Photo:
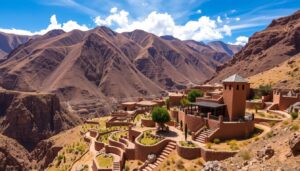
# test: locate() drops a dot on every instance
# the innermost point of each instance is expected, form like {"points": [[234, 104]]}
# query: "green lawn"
{"points": [[148, 139], [116, 136]]}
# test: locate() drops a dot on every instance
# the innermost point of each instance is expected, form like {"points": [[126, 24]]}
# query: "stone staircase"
{"points": [[205, 133], [164, 154], [116, 166]]}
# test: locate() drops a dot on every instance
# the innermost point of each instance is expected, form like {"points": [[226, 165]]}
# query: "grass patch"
{"points": [[105, 160], [189, 144], [116, 136], [245, 155], [148, 139]]}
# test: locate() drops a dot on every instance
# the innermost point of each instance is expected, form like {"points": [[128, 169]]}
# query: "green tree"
{"points": [[184, 102], [264, 90], [160, 115], [193, 94]]}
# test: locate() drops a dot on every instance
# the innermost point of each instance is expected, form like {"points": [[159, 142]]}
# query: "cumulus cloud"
{"points": [[67, 26], [241, 40], [204, 28], [199, 11]]}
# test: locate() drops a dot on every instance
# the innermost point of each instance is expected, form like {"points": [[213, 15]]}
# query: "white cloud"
{"points": [[199, 11], [67, 26], [160, 24], [241, 40], [219, 20], [237, 18], [114, 10]]}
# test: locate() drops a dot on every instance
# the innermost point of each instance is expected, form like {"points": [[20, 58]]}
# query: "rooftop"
{"points": [[235, 78], [207, 104]]}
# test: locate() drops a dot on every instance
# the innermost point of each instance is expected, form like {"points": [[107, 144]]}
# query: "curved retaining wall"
{"points": [[210, 155], [259, 120], [142, 151], [99, 145], [116, 151], [147, 122], [188, 153], [194, 123]]}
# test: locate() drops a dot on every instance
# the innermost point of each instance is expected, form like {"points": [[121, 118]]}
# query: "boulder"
{"points": [[265, 154], [213, 166], [294, 144]]}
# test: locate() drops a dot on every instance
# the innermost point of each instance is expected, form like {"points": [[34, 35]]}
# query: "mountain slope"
{"points": [[266, 49], [220, 46], [103, 65], [8, 42]]}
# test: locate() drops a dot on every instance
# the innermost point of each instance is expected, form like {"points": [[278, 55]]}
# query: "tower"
{"points": [[234, 95]]}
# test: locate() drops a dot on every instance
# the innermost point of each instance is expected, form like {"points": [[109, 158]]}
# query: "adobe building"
{"points": [[222, 118], [282, 100]]}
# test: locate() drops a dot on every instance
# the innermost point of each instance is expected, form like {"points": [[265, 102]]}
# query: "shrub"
{"points": [[184, 102], [179, 164], [127, 168], [193, 94], [245, 155], [294, 115], [216, 141], [209, 145], [264, 90], [270, 134], [294, 127]]}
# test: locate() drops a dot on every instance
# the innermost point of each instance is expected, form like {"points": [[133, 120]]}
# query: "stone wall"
{"points": [[253, 104], [147, 122], [211, 155]]}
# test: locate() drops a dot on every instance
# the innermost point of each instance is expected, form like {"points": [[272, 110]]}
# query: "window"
{"points": [[229, 87], [225, 87], [243, 87], [237, 87]]}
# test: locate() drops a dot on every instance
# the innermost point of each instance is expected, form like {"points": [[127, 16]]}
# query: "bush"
{"points": [[294, 115], [294, 127], [216, 141], [209, 145], [245, 155], [179, 164], [264, 90], [184, 102], [193, 94]]}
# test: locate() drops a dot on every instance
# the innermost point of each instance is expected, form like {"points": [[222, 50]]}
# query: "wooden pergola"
{"points": [[198, 108]]}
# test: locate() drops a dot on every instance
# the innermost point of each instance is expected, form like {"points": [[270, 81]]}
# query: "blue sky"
{"points": [[201, 20]]}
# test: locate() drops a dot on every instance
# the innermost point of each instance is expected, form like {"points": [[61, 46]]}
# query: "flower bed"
{"points": [[188, 150]]}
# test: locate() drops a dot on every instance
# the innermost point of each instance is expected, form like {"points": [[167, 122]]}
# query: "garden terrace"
{"points": [[148, 139], [105, 160]]}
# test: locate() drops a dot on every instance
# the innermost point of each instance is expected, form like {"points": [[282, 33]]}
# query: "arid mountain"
{"points": [[267, 49], [8, 42], [229, 49], [104, 65]]}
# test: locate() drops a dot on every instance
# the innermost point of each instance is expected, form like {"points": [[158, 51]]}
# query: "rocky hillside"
{"points": [[266, 49], [279, 150], [31, 117], [8, 42], [229, 49], [106, 66]]}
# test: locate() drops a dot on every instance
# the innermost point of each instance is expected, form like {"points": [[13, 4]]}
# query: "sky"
{"points": [[231, 21]]}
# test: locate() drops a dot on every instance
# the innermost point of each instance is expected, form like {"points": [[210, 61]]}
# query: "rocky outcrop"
{"points": [[294, 143], [213, 166], [13, 156], [265, 153], [31, 117]]}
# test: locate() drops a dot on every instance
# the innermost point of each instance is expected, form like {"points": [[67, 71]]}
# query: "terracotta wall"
{"points": [[233, 130], [283, 101], [98, 145], [147, 122], [252, 105], [210, 155], [133, 134], [188, 153], [142, 151], [116, 151], [194, 123]]}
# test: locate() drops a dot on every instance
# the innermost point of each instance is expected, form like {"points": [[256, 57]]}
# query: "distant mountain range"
{"points": [[270, 57], [101, 63]]}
